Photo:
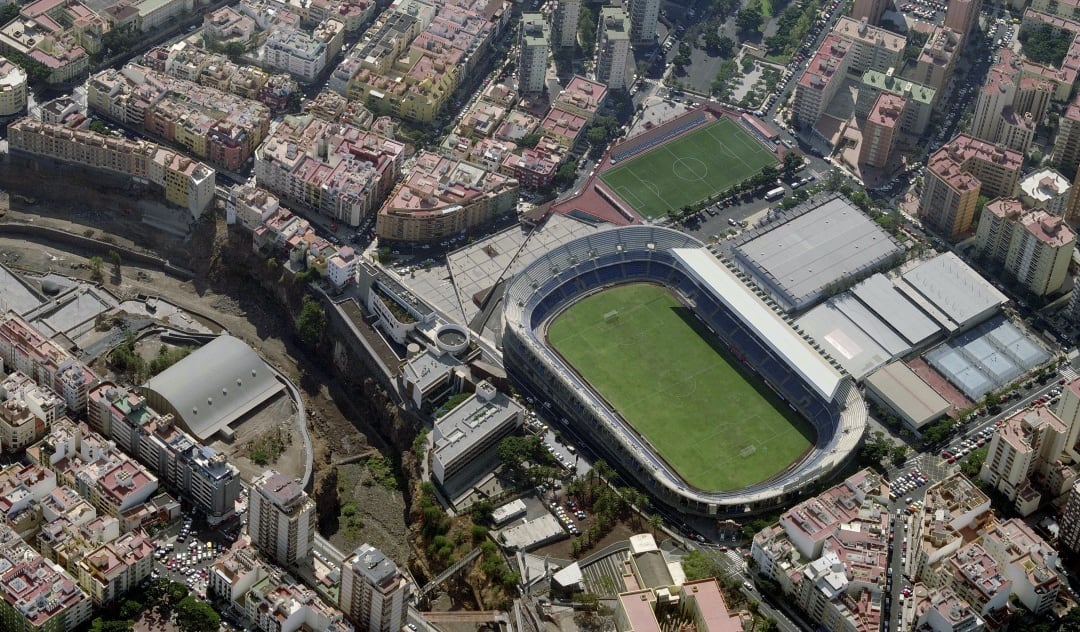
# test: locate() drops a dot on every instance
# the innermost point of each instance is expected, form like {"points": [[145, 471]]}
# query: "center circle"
{"points": [[684, 168]]}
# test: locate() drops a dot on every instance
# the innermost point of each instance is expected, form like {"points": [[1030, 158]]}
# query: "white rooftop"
{"points": [[769, 326]]}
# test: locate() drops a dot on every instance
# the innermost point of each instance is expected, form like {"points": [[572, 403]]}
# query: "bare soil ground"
{"points": [[216, 291]]}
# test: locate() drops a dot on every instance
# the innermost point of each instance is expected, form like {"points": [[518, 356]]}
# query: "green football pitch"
{"points": [[688, 169], [671, 379]]}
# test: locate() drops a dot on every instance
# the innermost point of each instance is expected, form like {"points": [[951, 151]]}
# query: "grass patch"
{"points": [[266, 448], [689, 169], [382, 470], [719, 427]]}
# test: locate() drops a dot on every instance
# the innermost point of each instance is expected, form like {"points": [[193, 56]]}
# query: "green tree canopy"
{"points": [[698, 565], [312, 322], [193, 615], [749, 20]]}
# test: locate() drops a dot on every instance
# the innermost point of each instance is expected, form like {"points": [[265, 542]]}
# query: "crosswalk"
{"points": [[1068, 372]]}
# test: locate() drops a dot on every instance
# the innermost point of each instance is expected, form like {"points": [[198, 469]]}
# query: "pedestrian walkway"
{"points": [[1069, 373]]}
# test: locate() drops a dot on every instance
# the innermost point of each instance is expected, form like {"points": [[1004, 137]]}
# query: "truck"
{"points": [[775, 194]]}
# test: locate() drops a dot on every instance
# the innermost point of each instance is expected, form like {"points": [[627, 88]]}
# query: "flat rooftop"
{"points": [[904, 389], [954, 288], [826, 241], [471, 422]]}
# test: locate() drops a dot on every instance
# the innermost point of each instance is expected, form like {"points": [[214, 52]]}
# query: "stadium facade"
{"points": [[791, 365]]}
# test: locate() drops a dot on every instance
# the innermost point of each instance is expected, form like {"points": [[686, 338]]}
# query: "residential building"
{"points": [[116, 568], [532, 53], [472, 428], [829, 554], [1046, 189], [373, 591], [564, 23], [581, 97], [563, 127], [872, 48], [996, 119], [12, 88], [199, 474], [942, 610], [823, 76], [441, 198], [232, 575], [341, 267], [22, 490], [227, 24], [535, 167], [37, 593], [1027, 561], [214, 125], [278, 603], [962, 15], [1024, 448], [1069, 531], [302, 54], [938, 58], [881, 130], [995, 231], [185, 182], [281, 519], [41, 401], [951, 507], [1062, 20], [919, 99], [1066, 154], [613, 48], [331, 168], [250, 206], [1068, 409], [975, 576], [1040, 252], [19, 426], [59, 35], [643, 17], [869, 10], [957, 174]]}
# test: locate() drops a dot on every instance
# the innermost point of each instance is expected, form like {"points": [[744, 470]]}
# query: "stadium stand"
{"points": [[647, 140], [639, 252]]}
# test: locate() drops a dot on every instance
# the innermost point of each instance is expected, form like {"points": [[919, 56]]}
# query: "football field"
{"points": [[668, 376], [688, 169]]}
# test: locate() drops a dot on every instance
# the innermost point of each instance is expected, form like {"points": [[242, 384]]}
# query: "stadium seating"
{"points": [[642, 252], [647, 140]]}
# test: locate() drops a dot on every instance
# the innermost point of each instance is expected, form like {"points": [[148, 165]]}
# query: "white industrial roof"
{"points": [[954, 288], [882, 297], [908, 392], [761, 319], [857, 351]]}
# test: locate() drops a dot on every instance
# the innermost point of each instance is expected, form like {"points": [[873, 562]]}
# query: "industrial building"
{"points": [[899, 390]]}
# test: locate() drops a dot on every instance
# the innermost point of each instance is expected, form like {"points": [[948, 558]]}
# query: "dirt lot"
{"points": [[241, 307]]}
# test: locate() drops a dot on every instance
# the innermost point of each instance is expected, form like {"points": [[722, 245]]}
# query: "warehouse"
{"points": [[899, 390]]}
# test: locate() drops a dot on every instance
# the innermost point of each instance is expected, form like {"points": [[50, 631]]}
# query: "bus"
{"points": [[775, 194]]}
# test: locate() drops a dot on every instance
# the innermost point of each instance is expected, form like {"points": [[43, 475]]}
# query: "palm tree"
{"points": [[656, 522]]}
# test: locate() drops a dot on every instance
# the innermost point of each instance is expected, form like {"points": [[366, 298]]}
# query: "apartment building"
{"points": [[995, 230], [564, 23], [974, 576], [442, 197], [823, 76], [1027, 561], [1069, 532], [185, 182], [829, 554], [41, 401], [533, 44], [957, 174], [581, 97], [881, 130], [996, 119], [116, 568], [301, 54], [919, 99], [12, 88], [60, 35], [1062, 19], [341, 266], [536, 167], [872, 48], [950, 508], [22, 490], [281, 519], [938, 58], [330, 168], [373, 591], [1047, 189], [214, 125], [643, 17], [278, 603], [1040, 251], [943, 611], [962, 15], [1027, 445], [1066, 156], [472, 428], [250, 206], [19, 426], [37, 593], [613, 48], [198, 474], [869, 10]]}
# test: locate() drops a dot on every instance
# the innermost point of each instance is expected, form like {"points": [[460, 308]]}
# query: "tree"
{"points": [[698, 565], [587, 30], [312, 322], [95, 267], [974, 462], [114, 259], [566, 174], [193, 615], [749, 20], [102, 625], [792, 162], [99, 126], [234, 50], [529, 140]]}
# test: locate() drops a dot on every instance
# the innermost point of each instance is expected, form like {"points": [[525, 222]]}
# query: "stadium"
{"points": [[725, 309]]}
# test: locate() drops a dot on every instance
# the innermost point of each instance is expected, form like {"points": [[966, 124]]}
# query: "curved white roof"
{"points": [[215, 385]]}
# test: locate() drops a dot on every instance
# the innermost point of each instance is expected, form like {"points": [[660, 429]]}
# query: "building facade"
{"points": [[533, 45], [613, 48], [281, 519], [373, 591]]}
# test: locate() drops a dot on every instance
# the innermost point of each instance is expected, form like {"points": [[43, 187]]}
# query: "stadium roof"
{"points": [[881, 297], [951, 286], [801, 256], [769, 326], [215, 385], [842, 339], [907, 394]]}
